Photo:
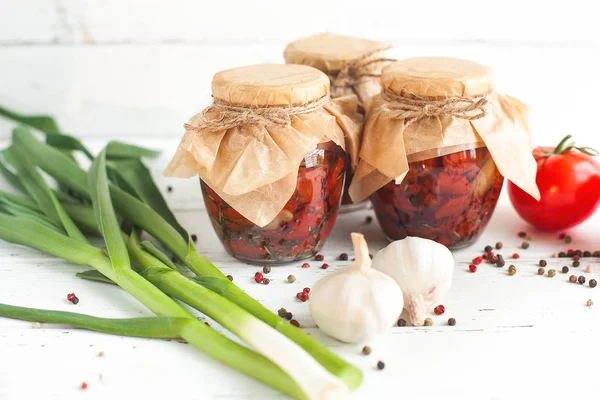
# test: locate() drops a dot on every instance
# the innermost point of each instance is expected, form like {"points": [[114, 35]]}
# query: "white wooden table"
{"points": [[517, 337]]}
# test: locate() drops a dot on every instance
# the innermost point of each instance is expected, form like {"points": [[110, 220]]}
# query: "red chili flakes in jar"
{"points": [[449, 199]]}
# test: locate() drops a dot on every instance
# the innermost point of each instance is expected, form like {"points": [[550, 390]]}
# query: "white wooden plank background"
{"points": [[136, 70]]}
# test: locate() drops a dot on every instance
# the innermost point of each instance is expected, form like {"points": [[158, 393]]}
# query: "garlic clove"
{"points": [[357, 303], [423, 270]]}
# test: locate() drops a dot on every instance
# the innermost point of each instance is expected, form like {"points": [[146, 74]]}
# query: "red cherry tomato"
{"points": [[569, 183]]}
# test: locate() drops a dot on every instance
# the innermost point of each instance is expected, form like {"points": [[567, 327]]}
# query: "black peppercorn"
{"points": [[401, 322], [578, 253], [541, 271], [194, 238], [587, 254], [266, 269], [597, 253], [288, 315], [343, 257], [581, 279], [169, 189], [451, 321], [568, 239], [369, 219], [487, 248], [543, 263], [380, 365], [562, 254], [565, 269], [576, 263], [593, 283], [75, 300], [230, 277], [500, 263], [499, 245], [266, 281]]}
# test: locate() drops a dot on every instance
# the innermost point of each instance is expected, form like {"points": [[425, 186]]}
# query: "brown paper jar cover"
{"points": [[391, 141], [254, 167]]}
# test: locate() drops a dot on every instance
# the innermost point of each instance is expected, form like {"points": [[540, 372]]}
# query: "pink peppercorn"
{"points": [[477, 260], [473, 268], [258, 277], [439, 310], [325, 266], [306, 290], [516, 256], [306, 265]]}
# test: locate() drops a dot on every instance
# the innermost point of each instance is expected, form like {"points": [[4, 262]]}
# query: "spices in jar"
{"points": [[268, 202], [431, 188]]}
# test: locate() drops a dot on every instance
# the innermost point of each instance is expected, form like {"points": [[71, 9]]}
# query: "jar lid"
{"points": [[270, 85], [438, 77], [328, 52]]}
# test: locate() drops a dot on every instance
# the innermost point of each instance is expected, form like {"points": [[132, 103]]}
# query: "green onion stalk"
{"points": [[172, 236]]}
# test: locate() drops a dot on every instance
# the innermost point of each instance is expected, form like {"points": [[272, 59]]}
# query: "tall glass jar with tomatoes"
{"points": [[301, 228]]}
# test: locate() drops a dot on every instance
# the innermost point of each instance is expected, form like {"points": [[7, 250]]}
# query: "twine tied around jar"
{"points": [[221, 116], [355, 71], [461, 107]]}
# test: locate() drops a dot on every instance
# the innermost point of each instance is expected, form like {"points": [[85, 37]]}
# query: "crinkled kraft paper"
{"points": [[254, 168], [390, 144]]}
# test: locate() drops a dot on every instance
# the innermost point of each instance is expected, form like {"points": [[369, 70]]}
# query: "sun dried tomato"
{"points": [[301, 227], [449, 199]]}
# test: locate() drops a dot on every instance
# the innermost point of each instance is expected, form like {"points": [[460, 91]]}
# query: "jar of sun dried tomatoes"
{"points": [[436, 149], [353, 66], [270, 156]]}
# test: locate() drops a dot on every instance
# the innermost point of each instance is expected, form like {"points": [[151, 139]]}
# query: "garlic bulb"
{"points": [[423, 270], [356, 303]]}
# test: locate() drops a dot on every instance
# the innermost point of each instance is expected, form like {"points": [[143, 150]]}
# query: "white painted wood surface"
{"points": [[517, 337]]}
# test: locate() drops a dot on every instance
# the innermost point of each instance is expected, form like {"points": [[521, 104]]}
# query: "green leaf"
{"points": [[138, 179], [83, 215], [9, 175], [93, 275], [67, 142], [158, 253], [106, 218], [116, 150], [20, 200], [42, 123], [151, 327]]}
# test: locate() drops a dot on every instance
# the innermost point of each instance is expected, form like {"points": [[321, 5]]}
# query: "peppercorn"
{"points": [[562, 236], [589, 303], [499, 245], [489, 255], [380, 365], [325, 266], [542, 263], [306, 290], [565, 269], [541, 271], [576, 257], [70, 296], [487, 248], [473, 268], [570, 253], [288, 315], [512, 270], [75, 300], [302, 296], [554, 255], [593, 283], [401, 322], [439, 310], [525, 245], [366, 350], [266, 281], [572, 279], [369, 219], [258, 277], [230, 278], [587, 253], [306, 265], [581, 279], [576, 263], [562, 254], [477, 260], [84, 385], [451, 321], [319, 257], [169, 189], [428, 322], [516, 256], [291, 278], [522, 234], [551, 273], [343, 257], [500, 263], [295, 323], [266, 269], [568, 239], [578, 253], [596, 253], [371, 256], [194, 237], [281, 312]]}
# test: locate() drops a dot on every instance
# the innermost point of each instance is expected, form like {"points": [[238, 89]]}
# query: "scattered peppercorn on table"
{"points": [[504, 330]]}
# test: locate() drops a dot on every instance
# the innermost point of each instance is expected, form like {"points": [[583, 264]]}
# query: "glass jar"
{"points": [[449, 199], [300, 229], [347, 204]]}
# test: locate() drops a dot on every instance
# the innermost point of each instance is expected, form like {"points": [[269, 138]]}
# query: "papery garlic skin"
{"points": [[423, 270], [357, 303]]}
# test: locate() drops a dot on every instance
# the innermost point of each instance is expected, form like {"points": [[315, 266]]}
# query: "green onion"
{"points": [[66, 171]]}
